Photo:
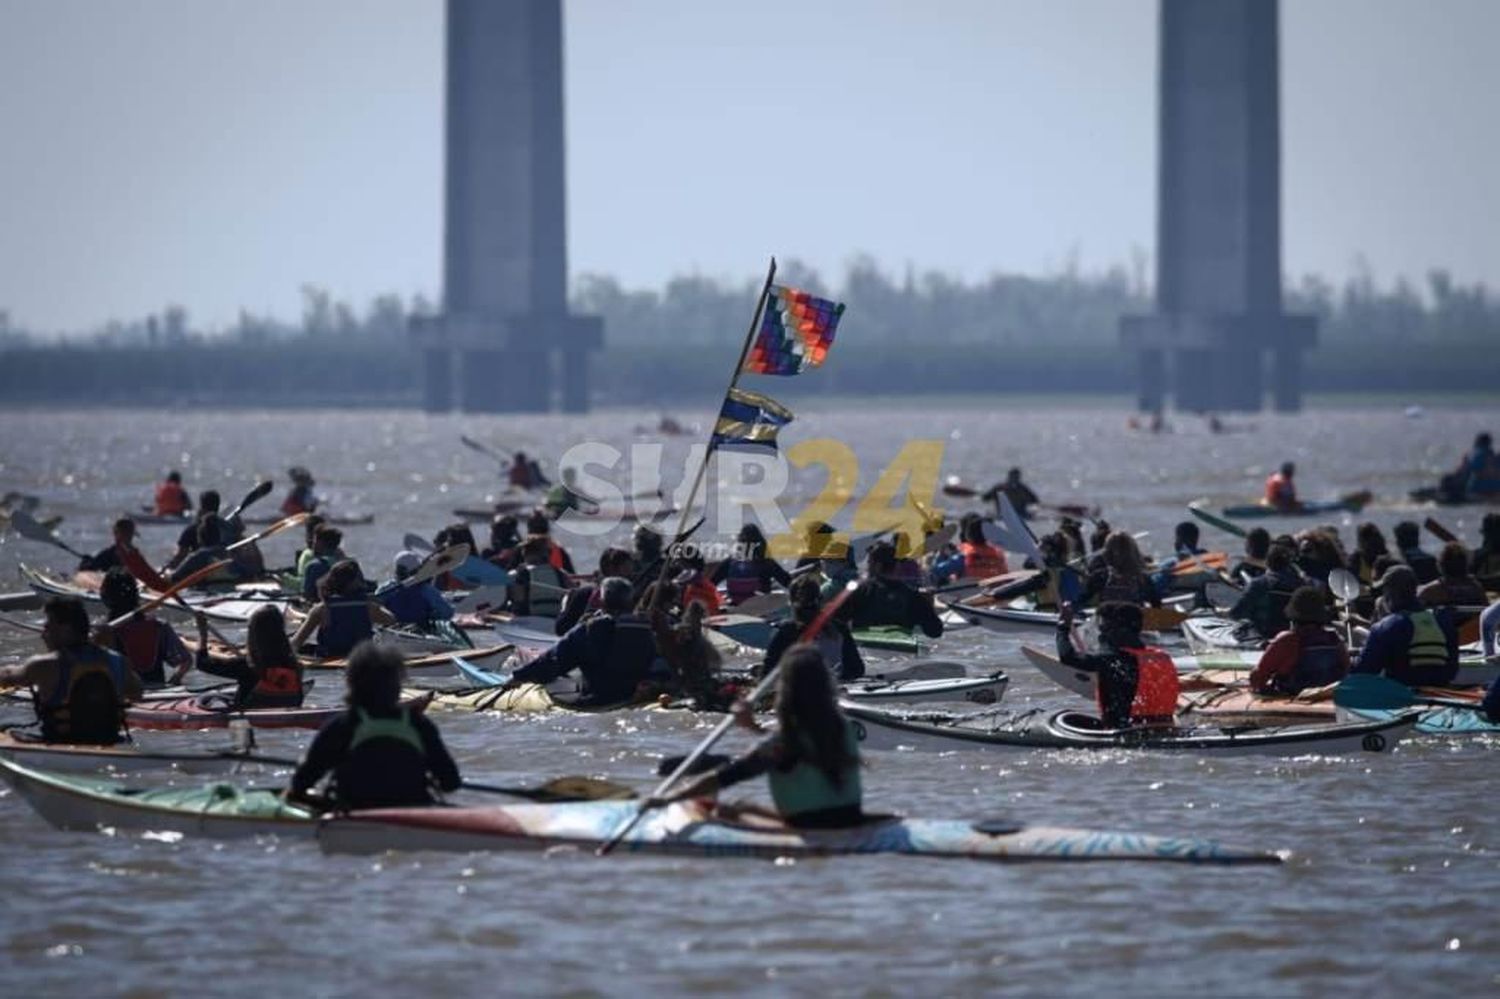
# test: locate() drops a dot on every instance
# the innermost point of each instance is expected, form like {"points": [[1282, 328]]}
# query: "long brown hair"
{"points": [[266, 643], [808, 712]]}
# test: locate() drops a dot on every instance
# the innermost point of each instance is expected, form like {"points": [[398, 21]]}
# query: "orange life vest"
{"points": [[703, 591], [279, 681], [171, 500], [1156, 687], [1279, 490], [982, 560]]}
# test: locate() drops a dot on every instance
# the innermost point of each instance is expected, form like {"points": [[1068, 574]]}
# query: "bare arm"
{"points": [[379, 614], [308, 627]]}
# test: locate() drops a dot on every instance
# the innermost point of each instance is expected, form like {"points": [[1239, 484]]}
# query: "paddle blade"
{"points": [[417, 543], [1376, 693], [1343, 584], [261, 490], [438, 563], [27, 527]]}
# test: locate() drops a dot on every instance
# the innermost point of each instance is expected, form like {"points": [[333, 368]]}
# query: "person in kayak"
{"points": [[1318, 555], [1017, 492], [1253, 563], [1408, 538], [504, 549], [538, 587], [1481, 468], [828, 559], [1369, 547], [79, 689], [1123, 577], [301, 498], [171, 499], [326, 552], [566, 496], [1307, 654], [538, 526], [612, 651], [210, 547], [1056, 584], [981, 558], [1454, 587], [1281, 492], [692, 579], [1136, 684], [835, 643], [811, 760], [125, 555], [381, 754], [269, 674], [1412, 644], [581, 601], [751, 570], [150, 645], [1262, 604], [344, 615], [646, 555], [883, 601], [418, 604], [1484, 564]]}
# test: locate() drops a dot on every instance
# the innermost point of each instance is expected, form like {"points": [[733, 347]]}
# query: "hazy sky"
{"points": [[219, 154]]}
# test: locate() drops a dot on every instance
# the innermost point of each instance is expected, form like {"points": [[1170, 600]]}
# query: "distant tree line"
{"points": [[915, 332]]}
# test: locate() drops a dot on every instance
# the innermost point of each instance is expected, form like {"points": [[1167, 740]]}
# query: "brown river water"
{"points": [[1391, 887]]}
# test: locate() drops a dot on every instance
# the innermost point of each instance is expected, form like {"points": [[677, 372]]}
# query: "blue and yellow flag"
{"points": [[749, 420]]}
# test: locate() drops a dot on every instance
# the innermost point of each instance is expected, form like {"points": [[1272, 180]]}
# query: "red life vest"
{"points": [[700, 589], [279, 682], [982, 560], [1156, 687], [142, 641], [555, 556], [1279, 490], [171, 500]]}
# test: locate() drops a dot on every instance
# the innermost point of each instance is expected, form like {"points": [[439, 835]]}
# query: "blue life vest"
{"points": [[742, 579], [346, 623], [87, 703]]}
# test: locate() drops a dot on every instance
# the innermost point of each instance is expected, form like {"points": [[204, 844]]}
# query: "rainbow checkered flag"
{"points": [[796, 333]]}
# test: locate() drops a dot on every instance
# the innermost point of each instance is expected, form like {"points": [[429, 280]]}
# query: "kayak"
{"points": [[1445, 711], [698, 828], [217, 711], [1017, 618], [220, 811], [124, 758], [975, 689], [524, 699], [989, 730], [516, 506], [414, 658], [1353, 503], [756, 632], [1436, 494], [536, 634], [1453, 721], [1209, 635], [889, 639], [336, 519], [216, 604]]}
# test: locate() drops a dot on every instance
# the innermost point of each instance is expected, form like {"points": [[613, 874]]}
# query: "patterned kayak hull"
{"points": [[213, 712]]}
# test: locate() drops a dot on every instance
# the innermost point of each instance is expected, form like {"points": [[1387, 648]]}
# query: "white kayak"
{"points": [[974, 689]]}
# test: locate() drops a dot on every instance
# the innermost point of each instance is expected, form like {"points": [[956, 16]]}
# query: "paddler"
{"points": [[1136, 684], [269, 674], [171, 499], [1307, 654], [883, 601], [1454, 587], [79, 688], [420, 603], [835, 643], [812, 758], [750, 570], [565, 496], [1369, 547], [1408, 538], [613, 651], [1122, 577], [692, 579], [504, 549], [325, 553], [1411, 645], [150, 645], [301, 498], [189, 540], [1262, 604], [1481, 468], [829, 559], [538, 526], [125, 555], [210, 547], [581, 601], [1055, 584], [647, 544], [1019, 493], [1253, 564], [538, 586], [1281, 492], [1485, 562], [981, 558], [381, 754], [344, 615]]}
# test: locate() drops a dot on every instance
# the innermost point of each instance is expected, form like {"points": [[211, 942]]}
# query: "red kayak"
{"points": [[217, 711]]}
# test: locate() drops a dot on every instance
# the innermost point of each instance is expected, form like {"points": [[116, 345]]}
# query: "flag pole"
{"points": [[734, 378]]}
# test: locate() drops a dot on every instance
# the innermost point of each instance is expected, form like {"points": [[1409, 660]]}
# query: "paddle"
{"points": [[1381, 693], [484, 449], [437, 563], [417, 543], [276, 528], [259, 492], [22, 625], [1346, 588], [27, 527], [761, 689], [1438, 530], [1199, 510], [173, 590]]}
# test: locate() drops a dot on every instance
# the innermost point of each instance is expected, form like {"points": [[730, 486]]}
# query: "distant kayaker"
{"points": [[79, 688], [269, 674], [1121, 577], [1307, 654], [1253, 564], [525, 473], [812, 759], [981, 558], [1262, 604], [125, 555], [419, 604], [344, 615], [1481, 468], [1019, 493], [1484, 564], [835, 643], [582, 601], [1412, 645], [566, 496], [1408, 538], [883, 601], [1454, 587], [326, 552], [538, 586], [301, 499], [381, 755], [150, 645], [1136, 684], [751, 570], [171, 499], [1281, 492], [612, 651]]}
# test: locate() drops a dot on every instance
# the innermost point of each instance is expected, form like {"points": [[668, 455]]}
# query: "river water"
{"points": [[1395, 865]]}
